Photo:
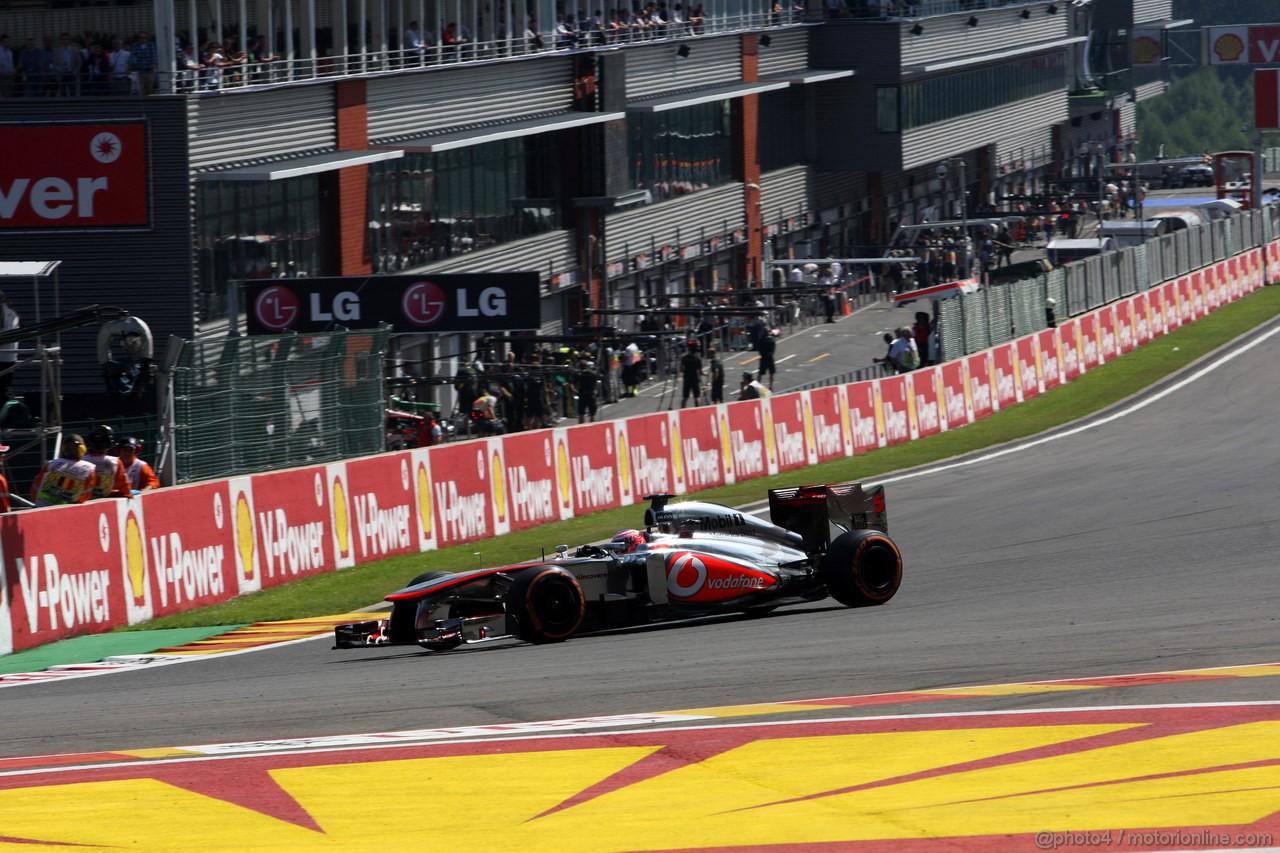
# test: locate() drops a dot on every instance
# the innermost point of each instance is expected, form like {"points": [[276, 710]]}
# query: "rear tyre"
{"points": [[862, 568], [547, 604], [403, 625]]}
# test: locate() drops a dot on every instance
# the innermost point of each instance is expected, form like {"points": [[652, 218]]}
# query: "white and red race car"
{"points": [[692, 559]]}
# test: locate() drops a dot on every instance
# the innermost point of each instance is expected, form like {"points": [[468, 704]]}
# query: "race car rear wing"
{"points": [[813, 511]]}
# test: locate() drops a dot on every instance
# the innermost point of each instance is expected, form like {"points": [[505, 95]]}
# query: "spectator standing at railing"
{"points": [[8, 67], [144, 58], [121, 61], [415, 48], [65, 66], [33, 67], [532, 37], [96, 71]]}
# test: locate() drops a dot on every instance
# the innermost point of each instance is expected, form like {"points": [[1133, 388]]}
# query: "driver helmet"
{"points": [[102, 438], [630, 539]]}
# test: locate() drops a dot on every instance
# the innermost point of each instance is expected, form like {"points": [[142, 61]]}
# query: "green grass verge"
{"points": [[351, 589]]}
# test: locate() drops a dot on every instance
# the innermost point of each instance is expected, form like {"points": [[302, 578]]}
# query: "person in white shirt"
{"points": [[120, 60]]}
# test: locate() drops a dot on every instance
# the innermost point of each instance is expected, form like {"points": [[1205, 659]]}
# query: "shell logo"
{"points": [[244, 535], [770, 440], [726, 445], [940, 391], [1035, 346], [911, 404], [1228, 48], [341, 521], [424, 500], [1057, 343], [562, 474], [1017, 371], [810, 439], [677, 452], [499, 486], [878, 402], [1146, 50], [968, 388], [135, 560], [624, 464], [846, 428]]}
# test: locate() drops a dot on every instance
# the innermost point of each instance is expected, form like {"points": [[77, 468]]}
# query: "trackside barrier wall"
{"points": [[76, 570]]}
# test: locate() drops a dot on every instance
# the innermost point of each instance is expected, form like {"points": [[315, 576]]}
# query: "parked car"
{"points": [[1197, 175]]}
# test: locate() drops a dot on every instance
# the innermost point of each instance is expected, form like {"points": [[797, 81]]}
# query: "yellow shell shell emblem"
{"points": [[624, 463], [244, 536], [726, 446], [677, 451], [499, 486], [341, 522], [770, 440], [424, 501], [135, 559], [810, 437], [562, 472]]}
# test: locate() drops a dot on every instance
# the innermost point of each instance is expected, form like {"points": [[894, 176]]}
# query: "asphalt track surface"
{"points": [[1140, 541]]}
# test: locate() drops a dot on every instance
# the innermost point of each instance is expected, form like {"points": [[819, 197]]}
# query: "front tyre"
{"points": [[547, 604], [862, 568]]}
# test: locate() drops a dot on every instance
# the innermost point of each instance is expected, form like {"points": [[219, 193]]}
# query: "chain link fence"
{"points": [[246, 404]]}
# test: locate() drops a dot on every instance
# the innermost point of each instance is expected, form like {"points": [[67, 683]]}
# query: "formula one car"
{"points": [[692, 559]]}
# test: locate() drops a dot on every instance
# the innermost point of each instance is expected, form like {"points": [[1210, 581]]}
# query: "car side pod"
{"points": [[862, 568]]}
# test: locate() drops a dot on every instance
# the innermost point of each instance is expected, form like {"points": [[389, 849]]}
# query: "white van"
{"points": [[1061, 252], [1179, 220], [1132, 232]]}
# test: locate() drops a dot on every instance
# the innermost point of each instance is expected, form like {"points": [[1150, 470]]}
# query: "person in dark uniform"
{"points": [[586, 381], [691, 370]]}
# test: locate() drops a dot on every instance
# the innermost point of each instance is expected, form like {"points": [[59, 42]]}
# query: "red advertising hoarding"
{"points": [[699, 449], [1049, 350], [59, 585], [1072, 348], [750, 440], [981, 392], [1107, 342], [1026, 367], [461, 496], [588, 468], [646, 455], [188, 547], [530, 480], [1005, 377], [1124, 326], [865, 415], [895, 406], [831, 435], [74, 176], [294, 531], [957, 405], [926, 401], [381, 505], [787, 414]]}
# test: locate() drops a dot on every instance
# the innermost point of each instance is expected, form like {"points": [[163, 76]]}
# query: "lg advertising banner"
{"points": [[531, 479], [294, 531], [187, 543], [832, 436], [895, 404], [701, 448], [1026, 367], [74, 176], [1008, 389], [790, 437], [375, 505], [648, 455], [749, 441], [865, 415], [461, 497], [926, 401], [588, 468], [448, 303], [59, 585]]}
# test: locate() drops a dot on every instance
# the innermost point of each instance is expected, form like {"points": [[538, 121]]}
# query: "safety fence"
{"points": [[1000, 313], [191, 546], [248, 404]]}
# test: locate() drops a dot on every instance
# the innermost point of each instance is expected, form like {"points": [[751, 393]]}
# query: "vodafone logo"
{"points": [[423, 303], [277, 308], [106, 147], [687, 576]]}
